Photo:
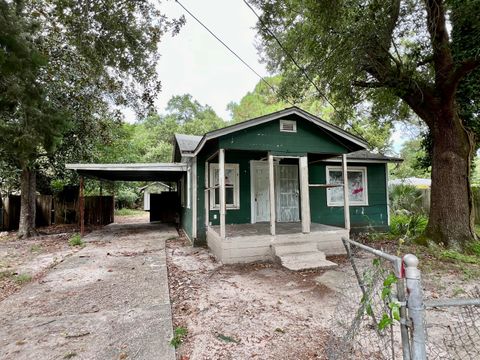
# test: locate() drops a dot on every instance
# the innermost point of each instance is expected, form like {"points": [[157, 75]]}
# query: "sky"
{"points": [[195, 63]]}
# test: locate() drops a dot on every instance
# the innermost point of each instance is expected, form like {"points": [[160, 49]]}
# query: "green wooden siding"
{"points": [[309, 138], [374, 215]]}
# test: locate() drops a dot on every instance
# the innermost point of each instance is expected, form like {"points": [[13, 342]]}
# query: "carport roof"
{"points": [[131, 172]]}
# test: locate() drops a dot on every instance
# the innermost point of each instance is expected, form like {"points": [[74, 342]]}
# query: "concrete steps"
{"points": [[301, 256]]}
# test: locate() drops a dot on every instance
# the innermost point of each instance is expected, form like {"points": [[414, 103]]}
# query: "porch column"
{"points": [[346, 200], [304, 194], [81, 205], [271, 186], [207, 197], [221, 182]]}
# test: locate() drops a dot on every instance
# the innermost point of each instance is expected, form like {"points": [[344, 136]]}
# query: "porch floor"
{"points": [[263, 228]]}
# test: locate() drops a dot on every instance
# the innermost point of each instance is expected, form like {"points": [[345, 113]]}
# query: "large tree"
{"points": [[398, 56], [64, 65]]}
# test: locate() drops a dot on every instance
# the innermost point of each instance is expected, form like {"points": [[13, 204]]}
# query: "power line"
{"points": [[290, 56], [229, 49]]}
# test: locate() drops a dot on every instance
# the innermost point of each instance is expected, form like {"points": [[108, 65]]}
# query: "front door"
{"points": [[260, 193], [287, 193], [286, 190]]}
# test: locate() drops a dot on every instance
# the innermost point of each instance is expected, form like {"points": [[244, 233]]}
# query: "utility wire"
{"points": [[302, 69], [229, 49], [290, 56]]}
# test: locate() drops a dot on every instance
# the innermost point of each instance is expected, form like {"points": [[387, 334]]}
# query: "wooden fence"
{"points": [[58, 210]]}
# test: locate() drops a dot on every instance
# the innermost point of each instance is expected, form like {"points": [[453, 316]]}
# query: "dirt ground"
{"points": [[263, 311]]}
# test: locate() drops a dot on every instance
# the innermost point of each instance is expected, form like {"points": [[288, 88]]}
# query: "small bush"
{"points": [[35, 248], [407, 224], [22, 278], [178, 335], [76, 240]]}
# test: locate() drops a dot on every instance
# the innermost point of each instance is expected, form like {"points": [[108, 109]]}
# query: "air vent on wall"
{"points": [[288, 126]]}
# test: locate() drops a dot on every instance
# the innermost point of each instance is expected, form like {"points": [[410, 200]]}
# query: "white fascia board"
{"points": [[129, 167]]}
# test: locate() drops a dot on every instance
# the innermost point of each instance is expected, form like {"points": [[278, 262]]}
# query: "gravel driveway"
{"points": [[108, 301]]}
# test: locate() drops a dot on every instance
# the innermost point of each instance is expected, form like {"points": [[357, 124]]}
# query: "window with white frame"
{"points": [[232, 186], [357, 186]]}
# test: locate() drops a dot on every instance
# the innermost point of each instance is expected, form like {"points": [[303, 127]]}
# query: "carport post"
{"points": [[346, 200], [82, 208], [221, 182], [271, 192]]}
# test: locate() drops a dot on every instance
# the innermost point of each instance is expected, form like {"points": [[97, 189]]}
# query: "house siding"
{"points": [[375, 215], [268, 137]]}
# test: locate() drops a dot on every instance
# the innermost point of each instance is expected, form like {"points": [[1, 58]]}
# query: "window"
{"points": [[357, 186], [232, 193], [288, 126]]}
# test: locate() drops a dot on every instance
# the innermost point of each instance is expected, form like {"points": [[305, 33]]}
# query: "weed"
{"points": [[178, 335], [35, 248], [474, 248], [76, 240], [226, 338], [22, 278], [458, 291], [69, 355]]}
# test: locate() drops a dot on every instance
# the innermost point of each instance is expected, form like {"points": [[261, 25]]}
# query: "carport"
{"points": [[165, 172]]}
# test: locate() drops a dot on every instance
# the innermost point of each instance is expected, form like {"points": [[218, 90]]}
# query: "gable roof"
{"points": [[186, 142]]}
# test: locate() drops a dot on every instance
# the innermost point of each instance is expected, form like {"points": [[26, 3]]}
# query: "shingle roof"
{"points": [[187, 142], [367, 155]]}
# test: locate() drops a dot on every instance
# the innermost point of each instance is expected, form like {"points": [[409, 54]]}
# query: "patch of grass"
{"points": [[5, 274], [76, 240], [69, 355], [22, 278], [178, 336], [457, 256], [129, 212], [35, 248]]}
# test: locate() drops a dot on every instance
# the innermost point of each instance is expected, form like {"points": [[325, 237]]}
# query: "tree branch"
{"points": [[464, 68], [369, 84]]}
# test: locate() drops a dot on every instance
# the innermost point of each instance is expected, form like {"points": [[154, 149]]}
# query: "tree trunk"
{"points": [[451, 219], [28, 203]]}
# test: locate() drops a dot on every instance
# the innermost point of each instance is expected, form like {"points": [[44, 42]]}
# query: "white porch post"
{"points": [[346, 200], [271, 185], [304, 194], [194, 198], [221, 178], [207, 197]]}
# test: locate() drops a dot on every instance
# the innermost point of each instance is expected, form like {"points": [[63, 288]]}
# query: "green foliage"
{"points": [[409, 225], [129, 212], [460, 257], [22, 278], [413, 155], [76, 240], [178, 336], [405, 198]]}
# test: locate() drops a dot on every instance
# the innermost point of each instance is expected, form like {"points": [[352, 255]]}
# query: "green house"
{"points": [[278, 179], [270, 187]]}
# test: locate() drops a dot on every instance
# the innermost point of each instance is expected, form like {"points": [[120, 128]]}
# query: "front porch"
{"points": [[253, 242]]}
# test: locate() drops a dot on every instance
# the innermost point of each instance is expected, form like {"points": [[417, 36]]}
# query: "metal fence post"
{"points": [[403, 309], [415, 306]]}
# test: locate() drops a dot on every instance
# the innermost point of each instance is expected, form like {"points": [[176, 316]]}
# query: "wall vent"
{"points": [[288, 126]]}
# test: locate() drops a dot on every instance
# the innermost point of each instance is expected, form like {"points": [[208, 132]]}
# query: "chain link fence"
{"points": [[381, 313]]}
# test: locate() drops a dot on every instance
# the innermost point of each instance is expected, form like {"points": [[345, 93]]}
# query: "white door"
{"points": [[260, 192], [287, 193]]}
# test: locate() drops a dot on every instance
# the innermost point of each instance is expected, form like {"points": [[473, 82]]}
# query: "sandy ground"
{"points": [[262, 311], [108, 300]]}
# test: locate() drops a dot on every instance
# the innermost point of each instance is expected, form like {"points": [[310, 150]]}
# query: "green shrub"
{"points": [[76, 240], [22, 278], [406, 198], [178, 335], [405, 224]]}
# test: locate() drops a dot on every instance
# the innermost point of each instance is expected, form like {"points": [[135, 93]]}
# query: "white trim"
{"points": [[128, 167], [346, 197], [355, 161], [221, 182], [189, 186], [206, 196], [271, 186], [286, 122], [363, 169], [194, 198], [304, 194], [236, 186], [387, 194], [278, 115], [253, 217]]}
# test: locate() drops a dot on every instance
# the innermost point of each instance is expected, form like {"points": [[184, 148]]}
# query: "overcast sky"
{"points": [[194, 62]]}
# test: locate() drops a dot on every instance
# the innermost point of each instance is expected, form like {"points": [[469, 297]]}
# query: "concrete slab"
{"points": [[107, 301], [334, 279]]}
